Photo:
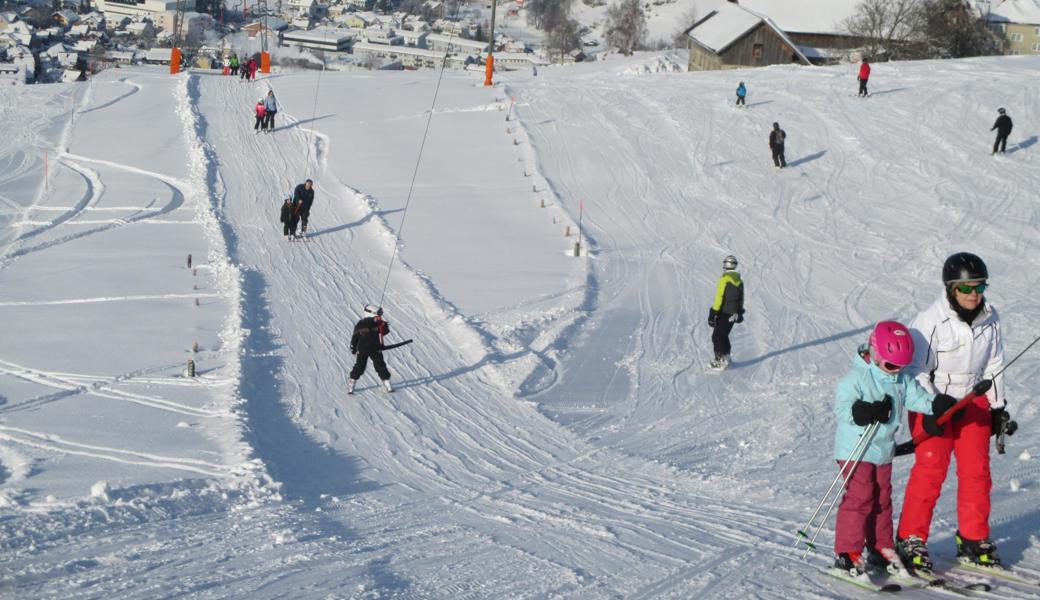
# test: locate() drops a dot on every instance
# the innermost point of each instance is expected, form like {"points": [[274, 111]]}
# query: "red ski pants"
{"points": [[968, 439], [865, 514]]}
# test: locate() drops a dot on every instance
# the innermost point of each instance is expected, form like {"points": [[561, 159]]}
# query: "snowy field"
{"points": [[554, 432]]}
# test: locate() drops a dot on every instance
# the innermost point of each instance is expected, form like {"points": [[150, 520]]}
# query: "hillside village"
{"points": [[65, 40]]}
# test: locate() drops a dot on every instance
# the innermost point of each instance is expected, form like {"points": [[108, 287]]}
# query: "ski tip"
{"points": [[890, 588]]}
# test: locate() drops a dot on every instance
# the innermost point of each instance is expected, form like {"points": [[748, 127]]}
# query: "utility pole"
{"points": [[489, 67]]}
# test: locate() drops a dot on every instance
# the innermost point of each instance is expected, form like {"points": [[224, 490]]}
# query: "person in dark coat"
{"points": [[304, 194], [1003, 126], [366, 343], [777, 137], [727, 309], [290, 218], [270, 110]]}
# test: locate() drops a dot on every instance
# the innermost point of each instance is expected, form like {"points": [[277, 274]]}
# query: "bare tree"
{"points": [[891, 28], [563, 38], [626, 26], [685, 23], [547, 15]]}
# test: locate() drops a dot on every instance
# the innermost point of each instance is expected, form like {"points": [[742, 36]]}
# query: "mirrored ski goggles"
{"points": [[966, 288]]}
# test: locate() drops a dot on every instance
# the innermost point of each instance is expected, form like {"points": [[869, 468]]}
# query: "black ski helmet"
{"points": [[1001, 111], [964, 266]]}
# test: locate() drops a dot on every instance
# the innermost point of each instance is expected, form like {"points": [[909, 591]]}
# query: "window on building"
{"points": [[756, 52], [1036, 32], [1036, 47]]}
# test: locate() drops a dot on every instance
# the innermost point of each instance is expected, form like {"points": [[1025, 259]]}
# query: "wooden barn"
{"points": [[732, 36]]}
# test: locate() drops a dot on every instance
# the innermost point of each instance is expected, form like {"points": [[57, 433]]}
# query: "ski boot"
{"points": [[979, 552], [720, 362], [387, 386], [851, 563], [914, 554], [885, 561], [350, 385]]}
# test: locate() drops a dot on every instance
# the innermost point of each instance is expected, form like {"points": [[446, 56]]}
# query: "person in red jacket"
{"points": [[864, 75], [260, 113], [252, 69]]}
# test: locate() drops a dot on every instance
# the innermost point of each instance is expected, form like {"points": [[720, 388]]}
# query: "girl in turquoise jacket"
{"points": [[875, 391]]}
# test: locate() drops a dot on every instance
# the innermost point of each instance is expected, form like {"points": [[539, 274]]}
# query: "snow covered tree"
{"points": [[890, 28], [547, 15], [563, 38], [625, 26]]}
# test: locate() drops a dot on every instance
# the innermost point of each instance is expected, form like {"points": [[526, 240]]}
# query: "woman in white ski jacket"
{"points": [[957, 343]]}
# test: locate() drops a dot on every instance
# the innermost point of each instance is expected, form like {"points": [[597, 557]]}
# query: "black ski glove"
{"points": [[353, 349], [712, 316], [865, 413], [998, 418], [941, 404], [740, 317]]}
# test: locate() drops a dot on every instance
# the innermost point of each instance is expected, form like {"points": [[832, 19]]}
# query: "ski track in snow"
{"points": [[618, 468]]}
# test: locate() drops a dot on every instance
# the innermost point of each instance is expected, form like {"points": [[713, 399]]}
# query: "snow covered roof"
{"points": [[805, 16], [723, 26], [1026, 12]]}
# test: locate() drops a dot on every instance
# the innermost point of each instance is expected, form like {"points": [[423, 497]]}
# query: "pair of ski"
{"points": [[896, 582], [302, 237]]}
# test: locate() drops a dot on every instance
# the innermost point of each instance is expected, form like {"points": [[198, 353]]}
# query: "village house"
{"points": [[732, 36], [320, 38], [815, 26], [412, 58], [18, 30], [65, 18], [141, 28], [454, 45], [273, 26], [415, 23], [122, 57], [415, 39], [1016, 22], [360, 21], [379, 35], [361, 4], [142, 8]]}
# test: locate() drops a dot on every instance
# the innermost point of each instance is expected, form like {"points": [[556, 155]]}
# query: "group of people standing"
{"points": [[925, 368], [296, 210], [266, 108]]}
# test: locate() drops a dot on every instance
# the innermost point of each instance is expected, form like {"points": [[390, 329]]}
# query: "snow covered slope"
{"points": [[554, 432]]}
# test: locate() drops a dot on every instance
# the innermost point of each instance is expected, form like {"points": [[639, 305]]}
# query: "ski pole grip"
{"points": [[979, 389]]}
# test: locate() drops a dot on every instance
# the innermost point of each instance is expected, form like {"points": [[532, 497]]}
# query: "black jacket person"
{"points": [[366, 343], [1003, 126], [304, 194], [777, 137]]}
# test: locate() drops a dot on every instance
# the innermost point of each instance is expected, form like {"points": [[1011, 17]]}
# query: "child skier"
{"points": [[366, 343], [875, 391], [727, 309], [741, 94], [290, 217], [864, 75], [261, 111]]}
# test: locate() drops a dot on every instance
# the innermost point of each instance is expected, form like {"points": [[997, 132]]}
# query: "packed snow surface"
{"points": [[555, 431]]}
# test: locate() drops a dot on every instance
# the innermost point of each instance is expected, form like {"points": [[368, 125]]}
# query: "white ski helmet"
{"points": [[729, 263], [372, 309]]}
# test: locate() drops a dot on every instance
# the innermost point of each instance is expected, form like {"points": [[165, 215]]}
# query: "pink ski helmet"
{"points": [[891, 342]]}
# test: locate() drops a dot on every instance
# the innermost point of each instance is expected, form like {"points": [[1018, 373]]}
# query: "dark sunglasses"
{"points": [[964, 288]]}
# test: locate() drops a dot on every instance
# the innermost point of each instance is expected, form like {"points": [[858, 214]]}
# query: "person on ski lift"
{"points": [[304, 194], [958, 343], [727, 309], [872, 396], [366, 343], [290, 218]]}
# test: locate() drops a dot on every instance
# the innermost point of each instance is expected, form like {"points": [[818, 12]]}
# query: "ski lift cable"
{"points": [[317, 87], [418, 159]]}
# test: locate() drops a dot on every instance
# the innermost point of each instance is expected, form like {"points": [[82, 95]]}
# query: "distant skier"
{"points": [[864, 75], [270, 110], [727, 309], [234, 64], [741, 94], [244, 74], [534, 70], [958, 344], [366, 343], [252, 69], [874, 392], [777, 137], [260, 116], [290, 218], [1003, 126], [304, 194]]}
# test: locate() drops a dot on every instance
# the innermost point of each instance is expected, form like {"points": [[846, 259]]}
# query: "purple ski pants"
{"points": [[865, 513]]}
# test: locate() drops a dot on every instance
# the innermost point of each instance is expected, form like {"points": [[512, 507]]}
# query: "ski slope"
{"points": [[554, 432]]}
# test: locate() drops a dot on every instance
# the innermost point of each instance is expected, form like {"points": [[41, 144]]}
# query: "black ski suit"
{"points": [[367, 342], [290, 217], [1003, 126], [776, 144], [306, 198]]}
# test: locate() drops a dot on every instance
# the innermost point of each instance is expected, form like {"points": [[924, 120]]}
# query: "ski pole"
{"points": [[802, 532], [979, 389], [869, 434]]}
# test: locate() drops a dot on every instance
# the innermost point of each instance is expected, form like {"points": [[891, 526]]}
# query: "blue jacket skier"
{"points": [[741, 94]]}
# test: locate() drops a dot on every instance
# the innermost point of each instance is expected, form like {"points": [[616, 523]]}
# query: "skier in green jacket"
{"points": [[727, 309]]}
